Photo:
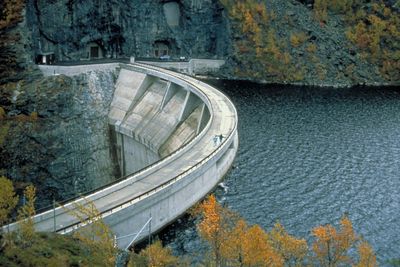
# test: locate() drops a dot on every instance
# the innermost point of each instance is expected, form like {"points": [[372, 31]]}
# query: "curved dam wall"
{"points": [[155, 114], [152, 117], [166, 122]]}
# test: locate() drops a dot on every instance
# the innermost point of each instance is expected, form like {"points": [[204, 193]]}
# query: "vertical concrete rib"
{"points": [[148, 80], [203, 106], [190, 104], [123, 171], [205, 117], [127, 87], [184, 105], [172, 89], [167, 92]]}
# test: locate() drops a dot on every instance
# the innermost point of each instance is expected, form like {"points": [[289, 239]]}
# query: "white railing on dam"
{"points": [[166, 189]]}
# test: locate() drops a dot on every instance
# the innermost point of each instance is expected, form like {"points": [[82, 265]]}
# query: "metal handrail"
{"points": [[137, 173], [134, 200], [129, 202]]}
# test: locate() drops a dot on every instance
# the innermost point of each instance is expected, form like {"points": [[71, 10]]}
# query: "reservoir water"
{"points": [[309, 155]]}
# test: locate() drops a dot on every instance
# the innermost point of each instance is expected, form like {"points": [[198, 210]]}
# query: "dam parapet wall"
{"points": [[175, 137], [193, 67]]}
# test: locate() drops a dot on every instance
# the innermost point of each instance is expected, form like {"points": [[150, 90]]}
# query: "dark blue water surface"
{"points": [[307, 156]]}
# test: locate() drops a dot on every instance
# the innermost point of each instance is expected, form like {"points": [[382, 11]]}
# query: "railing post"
{"points": [[150, 229], [54, 215]]}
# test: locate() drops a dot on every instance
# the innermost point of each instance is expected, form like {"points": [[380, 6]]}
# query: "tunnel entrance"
{"points": [[94, 51], [161, 48]]}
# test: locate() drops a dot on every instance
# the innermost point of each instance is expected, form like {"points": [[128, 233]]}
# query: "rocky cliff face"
{"points": [[330, 43], [77, 29], [55, 134], [275, 41]]}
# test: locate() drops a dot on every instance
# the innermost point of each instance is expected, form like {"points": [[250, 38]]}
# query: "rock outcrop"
{"points": [[76, 30], [310, 47], [55, 135]]}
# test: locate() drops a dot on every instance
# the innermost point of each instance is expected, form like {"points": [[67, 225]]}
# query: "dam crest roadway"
{"points": [[175, 137]]}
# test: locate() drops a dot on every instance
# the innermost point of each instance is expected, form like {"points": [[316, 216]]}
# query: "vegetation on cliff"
{"points": [[375, 30], [26, 247], [288, 47], [11, 13], [259, 51]]}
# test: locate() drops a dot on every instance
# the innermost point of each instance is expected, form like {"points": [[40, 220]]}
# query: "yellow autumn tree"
{"points": [[291, 249], [25, 215], [375, 31], [8, 199], [97, 234], [249, 23], [367, 257], [249, 246], [331, 246], [259, 251], [158, 256], [215, 225], [232, 241], [233, 246]]}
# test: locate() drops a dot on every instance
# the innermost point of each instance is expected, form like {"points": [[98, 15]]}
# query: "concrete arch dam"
{"points": [[177, 135]]}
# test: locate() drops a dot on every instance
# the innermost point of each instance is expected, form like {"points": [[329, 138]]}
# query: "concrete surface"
{"points": [[168, 187]]}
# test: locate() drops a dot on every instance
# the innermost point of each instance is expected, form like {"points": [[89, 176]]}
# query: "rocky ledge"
{"points": [[54, 133]]}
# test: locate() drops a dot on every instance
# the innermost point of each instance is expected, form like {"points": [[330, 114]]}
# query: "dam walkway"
{"points": [[165, 189]]}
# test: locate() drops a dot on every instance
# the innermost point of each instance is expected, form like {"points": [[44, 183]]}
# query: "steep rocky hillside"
{"points": [[321, 42], [54, 133], [14, 39], [71, 28], [329, 42]]}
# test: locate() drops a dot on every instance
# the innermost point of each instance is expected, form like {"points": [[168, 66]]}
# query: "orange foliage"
{"points": [[259, 251], [311, 48], [331, 245], [235, 243], [210, 225], [291, 249], [297, 39], [249, 246], [249, 24], [214, 226], [158, 256], [11, 13], [367, 256], [376, 32]]}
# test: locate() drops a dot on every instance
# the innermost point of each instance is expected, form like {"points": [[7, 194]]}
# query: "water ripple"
{"points": [[309, 155]]}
